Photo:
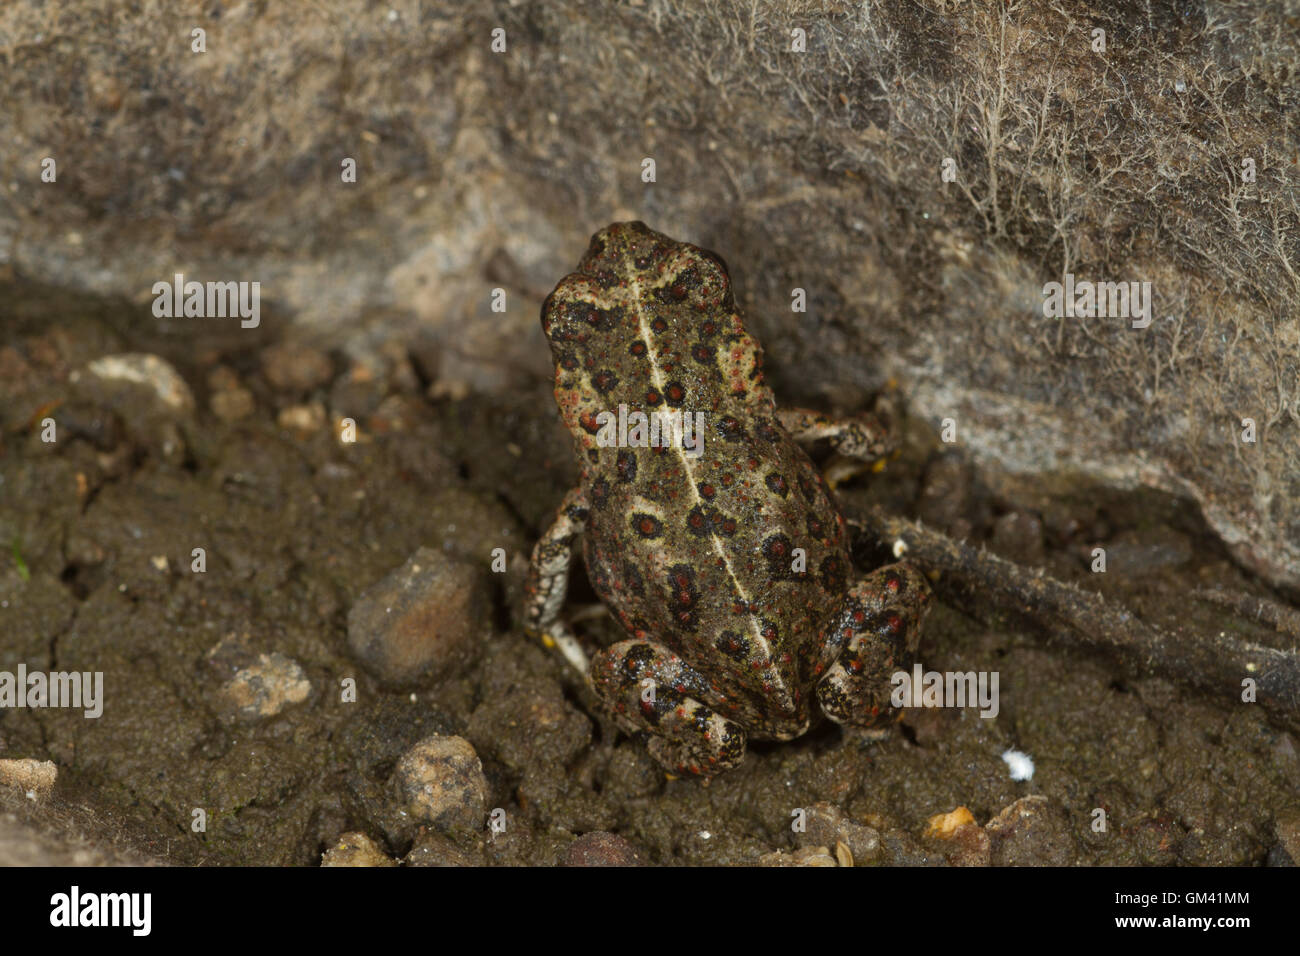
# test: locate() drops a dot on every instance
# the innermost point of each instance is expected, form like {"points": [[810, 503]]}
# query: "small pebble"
{"points": [[232, 405], [827, 825], [434, 849], [306, 419], [601, 848], [141, 368], [422, 620], [266, 687], [440, 782], [1287, 828], [805, 856], [356, 849], [1031, 832], [296, 368], [944, 825]]}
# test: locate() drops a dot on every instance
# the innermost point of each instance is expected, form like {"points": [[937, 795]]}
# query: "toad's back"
{"points": [[698, 547]]}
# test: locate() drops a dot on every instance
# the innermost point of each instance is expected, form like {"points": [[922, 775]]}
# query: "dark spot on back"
{"points": [[626, 465], [647, 526]]}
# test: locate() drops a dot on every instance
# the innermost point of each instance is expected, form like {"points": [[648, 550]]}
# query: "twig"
{"points": [[1282, 619], [986, 583]]}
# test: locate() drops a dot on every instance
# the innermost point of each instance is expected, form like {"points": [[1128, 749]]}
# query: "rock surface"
{"points": [[820, 170]]}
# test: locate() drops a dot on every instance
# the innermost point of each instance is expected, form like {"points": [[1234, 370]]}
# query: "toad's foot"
{"points": [[649, 688], [877, 633]]}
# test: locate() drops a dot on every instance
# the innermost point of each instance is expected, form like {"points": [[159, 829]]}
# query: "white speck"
{"points": [[706, 835], [1180, 86], [31, 794], [900, 547], [414, 699], [1021, 764]]}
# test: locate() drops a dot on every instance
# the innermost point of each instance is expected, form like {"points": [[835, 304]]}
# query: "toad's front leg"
{"points": [[548, 580], [859, 441], [874, 635], [649, 688]]}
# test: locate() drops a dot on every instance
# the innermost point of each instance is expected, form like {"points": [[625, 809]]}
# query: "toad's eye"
{"points": [[714, 281]]}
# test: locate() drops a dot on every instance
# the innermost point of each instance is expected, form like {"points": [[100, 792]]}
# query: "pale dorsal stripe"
{"points": [[657, 376]]}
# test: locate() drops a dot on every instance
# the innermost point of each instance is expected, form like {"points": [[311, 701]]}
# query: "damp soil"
{"points": [[99, 529]]}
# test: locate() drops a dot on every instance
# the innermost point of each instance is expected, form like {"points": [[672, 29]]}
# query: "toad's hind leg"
{"points": [[649, 688], [548, 580], [874, 635]]}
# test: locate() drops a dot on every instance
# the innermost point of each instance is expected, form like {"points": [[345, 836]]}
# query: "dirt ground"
{"points": [[100, 525]]}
